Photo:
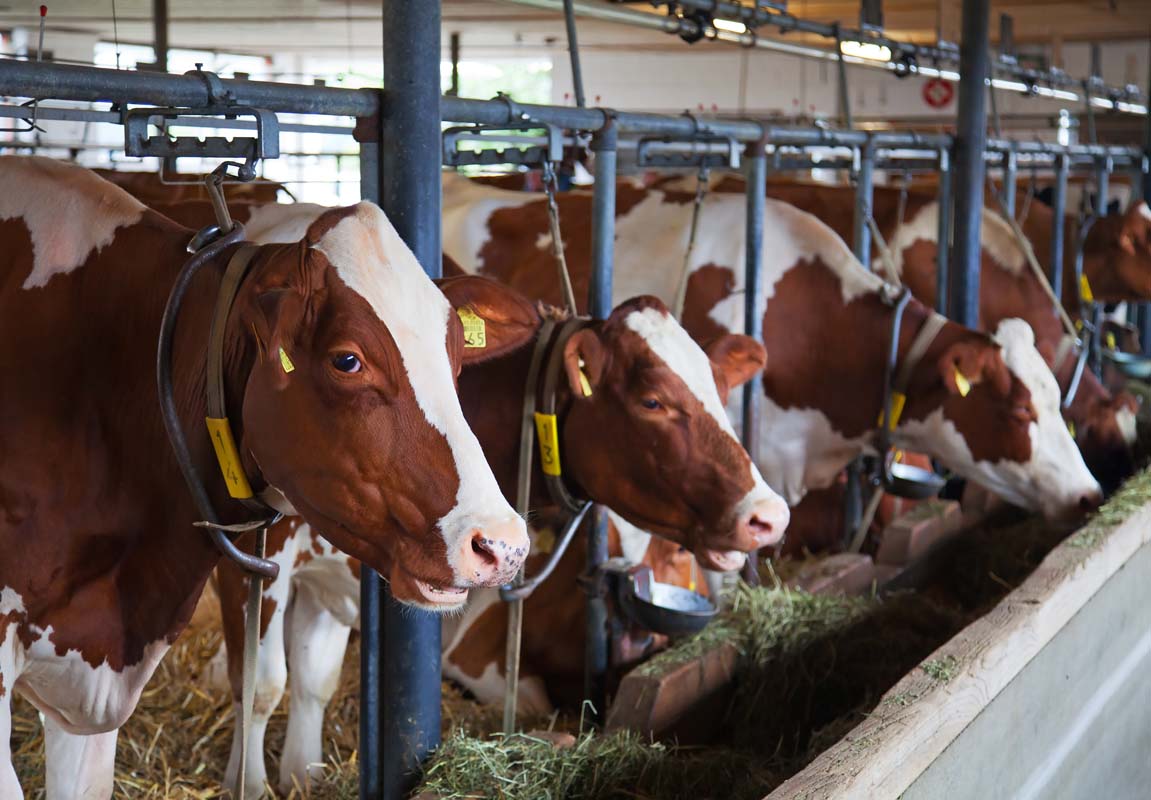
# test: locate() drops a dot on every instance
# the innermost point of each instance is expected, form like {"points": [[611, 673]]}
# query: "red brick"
{"points": [[910, 536], [842, 573]]}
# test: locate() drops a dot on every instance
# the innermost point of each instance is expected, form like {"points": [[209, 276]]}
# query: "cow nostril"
{"points": [[758, 526], [1090, 502], [484, 549]]}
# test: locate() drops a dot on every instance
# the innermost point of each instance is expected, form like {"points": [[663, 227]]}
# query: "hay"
{"points": [[609, 767]]}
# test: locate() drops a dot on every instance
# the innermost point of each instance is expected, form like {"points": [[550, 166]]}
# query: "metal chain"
{"points": [[701, 190], [551, 187]]}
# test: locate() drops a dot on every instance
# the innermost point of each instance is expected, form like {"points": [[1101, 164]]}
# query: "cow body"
{"points": [[825, 322], [102, 567], [642, 428]]}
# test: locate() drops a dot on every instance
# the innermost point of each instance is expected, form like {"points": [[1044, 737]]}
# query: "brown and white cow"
{"points": [[1103, 423], [825, 326], [648, 436], [364, 435]]}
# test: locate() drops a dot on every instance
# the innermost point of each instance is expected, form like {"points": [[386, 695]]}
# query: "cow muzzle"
{"points": [[491, 553], [761, 522]]}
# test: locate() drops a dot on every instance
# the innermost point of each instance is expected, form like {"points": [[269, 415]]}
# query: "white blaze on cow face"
{"points": [[1055, 479], [672, 344], [373, 261], [66, 227]]}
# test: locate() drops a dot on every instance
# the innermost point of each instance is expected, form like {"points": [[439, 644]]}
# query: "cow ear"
{"points": [[969, 363], [736, 359], [585, 360], [497, 320]]}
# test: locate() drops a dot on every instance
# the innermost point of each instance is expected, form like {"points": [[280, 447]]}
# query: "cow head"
{"points": [[647, 434], [351, 411], [1119, 263], [999, 422], [1103, 426]]}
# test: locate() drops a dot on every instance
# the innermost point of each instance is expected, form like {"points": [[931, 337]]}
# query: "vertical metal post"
{"points": [[573, 53], [755, 157], [844, 87], [1010, 174], [1103, 169], [970, 142], [454, 45], [371, 586], [603, 144], [160, 33], [861, 245], [1058, 212], [864, 193], [410, 149], [756, 160], [1144, 314], [943, 231]]}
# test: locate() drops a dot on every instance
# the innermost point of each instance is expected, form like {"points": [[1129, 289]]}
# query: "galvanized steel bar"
{"points": [[1103, 168], [864, 194], [411, 151], [604, 145], [943, 232], [1010, 173], [1059, 212], [371, 589], [573, 53], [160, 33], [756, 165], [971, 129]]}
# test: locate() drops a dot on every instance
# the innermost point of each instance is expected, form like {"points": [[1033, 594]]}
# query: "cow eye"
{"points": [[651, 404], [346, 362]]}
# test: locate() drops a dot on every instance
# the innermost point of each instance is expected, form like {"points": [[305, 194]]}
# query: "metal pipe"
{"points": [[756, 160], [604, 145], [1103, 169], [411, 154], [1058, 212], [454, 45], [221, 123], [971, 129], [160, 33], [573, 54], [943, 232], [1010, 173], [864, 193]]}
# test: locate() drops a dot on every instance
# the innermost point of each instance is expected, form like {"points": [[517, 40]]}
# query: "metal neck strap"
{"points": [[555, 483]]}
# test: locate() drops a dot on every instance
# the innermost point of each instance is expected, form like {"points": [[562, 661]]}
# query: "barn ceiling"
{"points": [[353, 26]]}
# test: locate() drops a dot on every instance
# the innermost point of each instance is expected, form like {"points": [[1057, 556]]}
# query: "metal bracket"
{"points": [[729, 159], [521, 150], [137, 141]]}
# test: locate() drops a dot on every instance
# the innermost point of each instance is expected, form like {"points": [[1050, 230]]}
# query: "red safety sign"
{"points": [[937, 92]]}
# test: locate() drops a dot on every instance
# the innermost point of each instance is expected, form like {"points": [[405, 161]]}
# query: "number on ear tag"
{"points": [[584, 383], [549, 437], [1085, 293], [961, 383], [475, 329], [220, 432], [286, 362]]}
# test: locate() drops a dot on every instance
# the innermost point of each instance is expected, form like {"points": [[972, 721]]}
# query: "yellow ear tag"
{"points": [[898, 401], [961, 383], [1071, 428], [475, 329], [1111, 343], [548, 432], [1085, 290], [584, 383], [220, 433], [286, 362]]}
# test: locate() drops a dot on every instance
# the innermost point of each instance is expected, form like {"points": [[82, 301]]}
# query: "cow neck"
{"points": [[920, 331], [553, 397]]}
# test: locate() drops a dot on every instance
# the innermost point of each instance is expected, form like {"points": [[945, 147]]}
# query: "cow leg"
{"points": [[78, 767], [318, 640], [271, 664], [9, 785]]}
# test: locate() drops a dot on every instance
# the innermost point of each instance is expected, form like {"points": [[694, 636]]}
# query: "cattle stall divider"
{"points": [[390, 751]]}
